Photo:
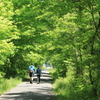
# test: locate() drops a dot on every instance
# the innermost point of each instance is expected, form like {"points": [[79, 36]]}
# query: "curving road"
{"points": [[27, 91]]}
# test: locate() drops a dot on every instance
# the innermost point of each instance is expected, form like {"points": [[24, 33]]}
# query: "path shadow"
{"points": [[29, 96]]}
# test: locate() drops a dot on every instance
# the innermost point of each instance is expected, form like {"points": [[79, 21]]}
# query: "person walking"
{"points": [[39, 72], [31, 70]]}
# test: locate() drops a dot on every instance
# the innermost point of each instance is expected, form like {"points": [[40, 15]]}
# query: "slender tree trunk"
{"points": [[94, 87]]}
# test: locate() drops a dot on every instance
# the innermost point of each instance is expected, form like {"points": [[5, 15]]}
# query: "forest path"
{"points": [[27, 91]]}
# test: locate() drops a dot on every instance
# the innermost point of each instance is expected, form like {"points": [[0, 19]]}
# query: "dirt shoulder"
{"points": [[27, 91]]}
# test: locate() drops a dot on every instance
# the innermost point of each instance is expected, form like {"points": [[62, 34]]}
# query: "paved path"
{"points": [[27, 91]]}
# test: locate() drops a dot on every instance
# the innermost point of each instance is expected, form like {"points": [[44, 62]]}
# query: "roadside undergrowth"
{"points": [[71, 88], [7, 84]]}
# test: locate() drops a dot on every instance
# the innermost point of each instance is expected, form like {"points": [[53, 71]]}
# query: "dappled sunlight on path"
{"points": [[27, 91]]}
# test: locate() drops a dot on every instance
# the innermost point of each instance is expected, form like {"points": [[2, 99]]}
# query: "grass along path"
{"points": [[7, 84]]}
